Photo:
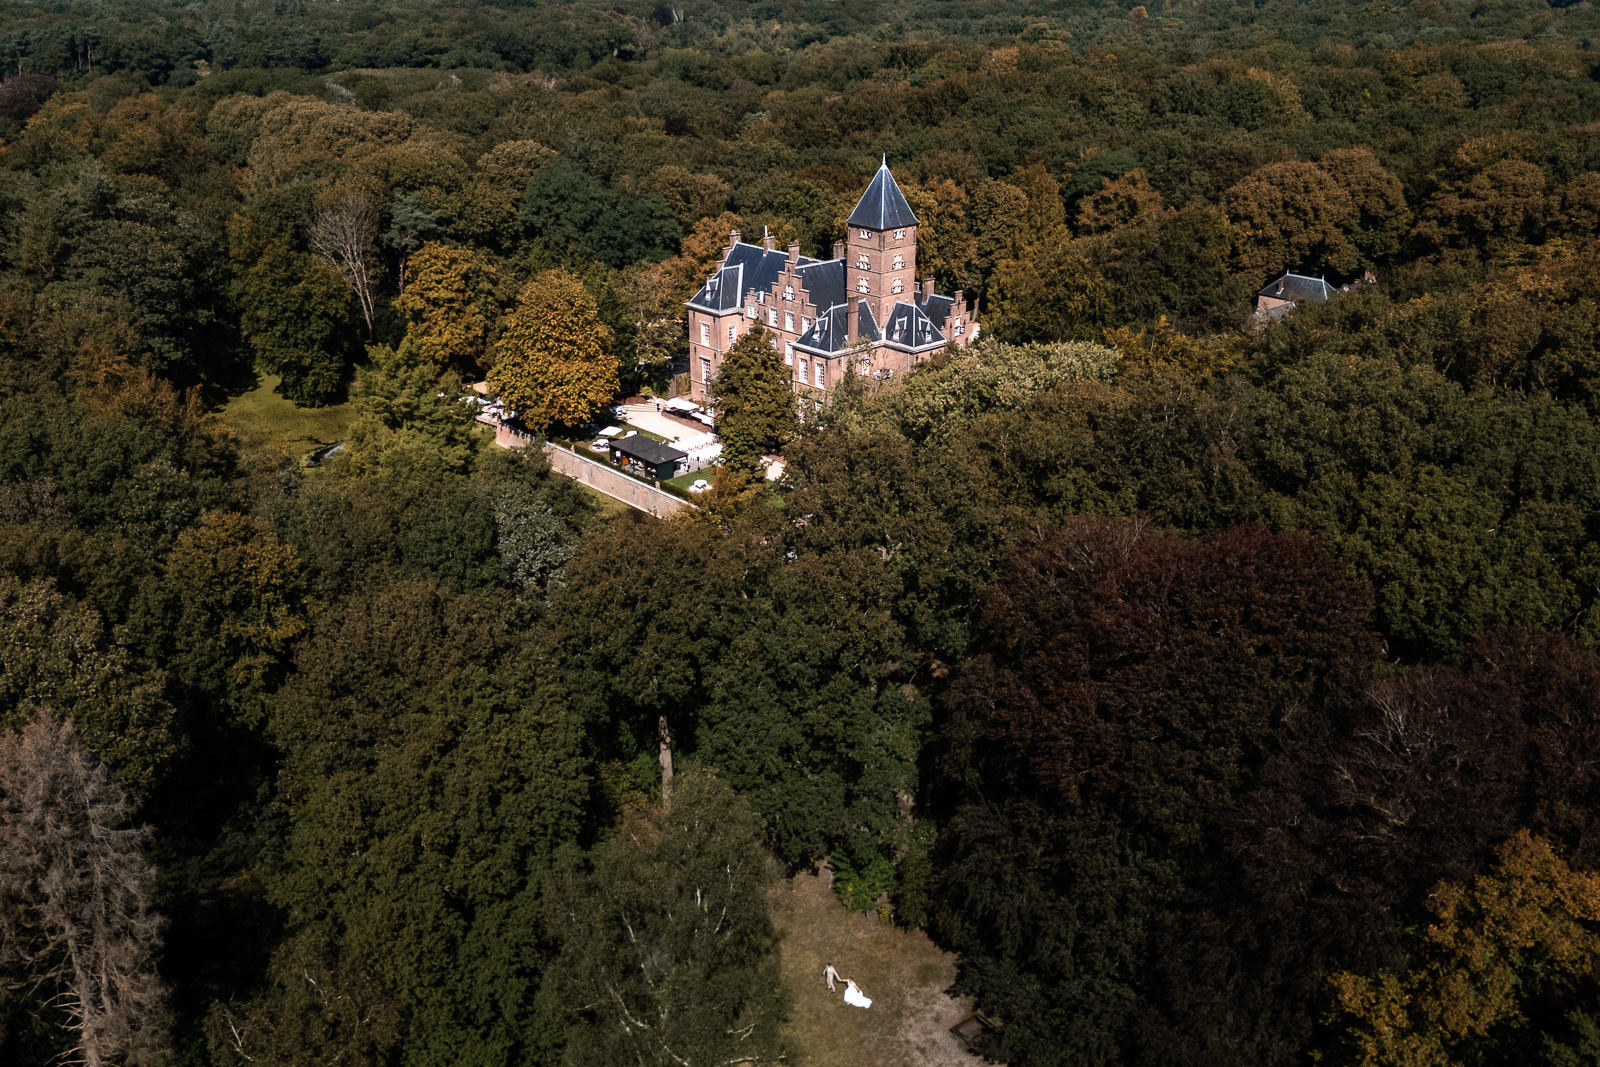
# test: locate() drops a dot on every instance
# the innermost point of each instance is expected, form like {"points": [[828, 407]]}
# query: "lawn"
{"points": [[263, 420], [903, 972], [682, 482]]}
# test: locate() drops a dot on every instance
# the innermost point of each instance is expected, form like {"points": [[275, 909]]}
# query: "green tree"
{"points": [[668, 956], [553, 364], [296, 313], [754, 401], [411, 418]]}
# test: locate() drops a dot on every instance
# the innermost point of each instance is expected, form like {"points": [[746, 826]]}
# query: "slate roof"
{"points": [[882, 206], [910, 329], [1297, 287], [823, 281], [829, 335], [646, 450], [747, 267], [937, 308]]}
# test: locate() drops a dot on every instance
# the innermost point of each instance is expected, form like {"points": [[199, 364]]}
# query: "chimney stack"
{"points": [[852, 316], [768, 241], [838, 250], [794, 253], [927, 289], [734, 237]]}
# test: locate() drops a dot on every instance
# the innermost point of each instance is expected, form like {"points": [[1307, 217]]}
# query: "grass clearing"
{"points": [[263, 419], [903, 972]]}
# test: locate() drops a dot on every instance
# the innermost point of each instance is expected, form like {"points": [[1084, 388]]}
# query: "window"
{"points": [[788, 292], [805, 324], [862, 286], [864, 234], [899, 261], [961, 331], [866, 366], [774, 343], [898, 288], [705, 333], [788, 321], [731, 328], [821, 367], [899, 235], [788, 355], [772, 317], [750, 311], [802, 370], [863, 262], [705, 369], [761, 298]]}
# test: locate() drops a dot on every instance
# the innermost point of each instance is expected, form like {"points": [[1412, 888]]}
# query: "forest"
{"points": [[1215, 694]]}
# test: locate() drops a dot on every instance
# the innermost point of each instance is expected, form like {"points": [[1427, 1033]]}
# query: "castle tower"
{"points": [[881, 247]]}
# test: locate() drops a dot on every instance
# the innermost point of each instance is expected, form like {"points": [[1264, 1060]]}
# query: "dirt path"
{"points": [[905, 974]]}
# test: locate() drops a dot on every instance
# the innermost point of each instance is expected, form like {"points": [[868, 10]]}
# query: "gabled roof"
{"points": [[910, 329], [1298, 287], [937, 308], [747, 267], [882, 206], [823, 282]]}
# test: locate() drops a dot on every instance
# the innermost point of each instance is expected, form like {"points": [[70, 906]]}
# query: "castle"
{"points": [[861, 312]]}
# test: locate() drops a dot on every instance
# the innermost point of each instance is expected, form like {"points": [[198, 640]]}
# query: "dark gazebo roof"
{"points": [[645, 450]]}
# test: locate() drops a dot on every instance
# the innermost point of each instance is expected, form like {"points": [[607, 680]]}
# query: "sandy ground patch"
{"points": [[904, 973]]}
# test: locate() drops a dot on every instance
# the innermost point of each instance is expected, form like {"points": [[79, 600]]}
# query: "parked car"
{"points": [[599, 444], [699, 485]]}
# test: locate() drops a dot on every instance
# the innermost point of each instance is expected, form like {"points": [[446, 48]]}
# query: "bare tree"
{"points": [[342, 235], [75, 914]]}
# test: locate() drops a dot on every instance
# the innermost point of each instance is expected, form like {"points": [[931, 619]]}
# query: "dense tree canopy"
{"points": [[1208, 688]]}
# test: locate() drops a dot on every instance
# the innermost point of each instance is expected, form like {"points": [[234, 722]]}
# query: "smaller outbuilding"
{"points": [[640, 455]]}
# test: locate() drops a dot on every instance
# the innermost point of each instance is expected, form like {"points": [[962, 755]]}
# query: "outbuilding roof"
{"points": [[1298, 287], [645, 450]]}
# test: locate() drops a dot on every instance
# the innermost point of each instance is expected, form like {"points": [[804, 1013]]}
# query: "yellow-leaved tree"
{"points": [[1518, 944], [553, 363], [448, 306]]}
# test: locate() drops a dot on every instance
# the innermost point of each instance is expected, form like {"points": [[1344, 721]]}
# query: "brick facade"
{"points": [[863, 311]]}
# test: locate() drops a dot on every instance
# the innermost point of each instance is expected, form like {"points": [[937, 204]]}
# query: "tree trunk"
{"points": [[665, 738], [342, 236]]}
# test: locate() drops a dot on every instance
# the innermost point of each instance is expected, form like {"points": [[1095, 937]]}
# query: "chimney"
{"points": [[734, 237], [838, 250], [927, 289], [1280, 287], [768, 241], [852, 314], [794, 253]]}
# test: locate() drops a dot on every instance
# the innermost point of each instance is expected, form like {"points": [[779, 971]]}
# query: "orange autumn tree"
{"points": [[1522, 933], [553, 363]]}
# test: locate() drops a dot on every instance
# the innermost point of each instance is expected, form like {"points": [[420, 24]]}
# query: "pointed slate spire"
{"points": [[882, 206]]}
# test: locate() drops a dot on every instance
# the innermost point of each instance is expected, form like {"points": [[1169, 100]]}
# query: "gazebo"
{"points": [[640, 455]]}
